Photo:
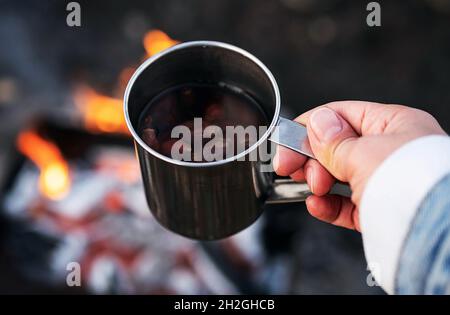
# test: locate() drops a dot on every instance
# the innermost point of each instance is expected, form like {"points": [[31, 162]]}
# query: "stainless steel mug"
{"points": [[213, 200]]}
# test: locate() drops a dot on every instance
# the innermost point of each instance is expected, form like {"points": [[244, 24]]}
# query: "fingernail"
{"points": [[310, 177], [325, 124]]}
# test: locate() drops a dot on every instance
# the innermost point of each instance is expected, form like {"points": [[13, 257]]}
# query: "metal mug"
{"points": [[212, 200]]}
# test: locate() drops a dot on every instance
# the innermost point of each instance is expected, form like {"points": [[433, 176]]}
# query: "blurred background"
{"points": [[70, 186]]}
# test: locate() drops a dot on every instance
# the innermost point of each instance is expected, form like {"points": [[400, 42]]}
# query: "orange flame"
{"points": [[101, 113], [156, 41], [54, 179]]}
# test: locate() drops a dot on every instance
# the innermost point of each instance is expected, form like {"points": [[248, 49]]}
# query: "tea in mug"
{"points": [[221, 120]]}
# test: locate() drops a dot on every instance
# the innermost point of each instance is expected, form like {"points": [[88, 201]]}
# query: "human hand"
{"points": [[350, 139]]}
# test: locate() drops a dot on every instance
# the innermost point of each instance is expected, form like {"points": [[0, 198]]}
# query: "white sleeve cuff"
{"points": [[391, 198]]}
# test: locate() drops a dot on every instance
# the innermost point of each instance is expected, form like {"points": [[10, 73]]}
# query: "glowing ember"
{"points": [[156, 41], [54, 179], [121, 165], [101, 113]]}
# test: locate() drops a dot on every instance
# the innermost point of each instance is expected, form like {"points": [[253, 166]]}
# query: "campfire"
{"points": [[81, 188], [101, 114]]}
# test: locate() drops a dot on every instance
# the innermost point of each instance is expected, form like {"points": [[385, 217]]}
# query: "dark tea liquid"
{"points": [[217, 105]]}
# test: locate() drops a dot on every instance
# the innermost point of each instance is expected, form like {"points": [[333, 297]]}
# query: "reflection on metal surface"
{"points": [[292, 135], [286, 190]]}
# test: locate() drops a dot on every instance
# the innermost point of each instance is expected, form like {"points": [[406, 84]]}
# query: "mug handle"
{"points": [[293, 135]]}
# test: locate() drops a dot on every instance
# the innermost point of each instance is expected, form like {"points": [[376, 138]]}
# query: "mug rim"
{"points": [[203, 43]]}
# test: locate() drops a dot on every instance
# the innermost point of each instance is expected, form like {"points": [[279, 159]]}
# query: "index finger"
{"points": [[286, 161]]}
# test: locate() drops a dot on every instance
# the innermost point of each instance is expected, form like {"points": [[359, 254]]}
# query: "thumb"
{"points": [[332, 140]]}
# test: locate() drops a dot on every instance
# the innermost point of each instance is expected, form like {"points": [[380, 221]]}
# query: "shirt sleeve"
{"points": [[392, 197]]}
